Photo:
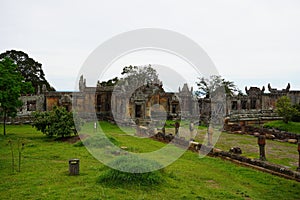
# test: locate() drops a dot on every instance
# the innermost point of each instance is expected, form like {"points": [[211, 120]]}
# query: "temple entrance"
{"points": [[138, 111]]}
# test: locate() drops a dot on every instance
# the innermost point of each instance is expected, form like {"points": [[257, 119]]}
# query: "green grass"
{"points": [[293, 127], [44, 172]]}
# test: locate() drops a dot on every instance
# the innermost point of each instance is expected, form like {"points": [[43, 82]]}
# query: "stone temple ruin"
{"points": [[150, 101]]}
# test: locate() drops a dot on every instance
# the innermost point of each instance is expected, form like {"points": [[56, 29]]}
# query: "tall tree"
{"points": [[140, 74], [285, 109], [11, 85], [133, 74], [207, 86], [110, 82], [30, 69]]}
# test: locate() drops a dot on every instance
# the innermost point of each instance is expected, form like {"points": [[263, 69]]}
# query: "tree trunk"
{"points": [[4, 122]]}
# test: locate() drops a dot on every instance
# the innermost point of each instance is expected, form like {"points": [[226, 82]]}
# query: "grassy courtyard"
{"points": [[44, 172]]}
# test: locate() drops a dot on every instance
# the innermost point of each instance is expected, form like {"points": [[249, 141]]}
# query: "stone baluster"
{"points": [[261, 143], [298, 168]]}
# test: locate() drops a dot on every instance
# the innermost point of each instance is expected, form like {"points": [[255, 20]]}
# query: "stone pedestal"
{"points": [[243, 127], [177, 125], [261, 143], [210, 133]]}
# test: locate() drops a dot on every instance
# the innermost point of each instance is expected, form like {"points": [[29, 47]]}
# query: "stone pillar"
{"points": [[243, 126], [177, 125], [210, 133], [191, 127], [298, 168], [226, 121], [239, 106], [261, 143], [164, 129], [138, 128]]}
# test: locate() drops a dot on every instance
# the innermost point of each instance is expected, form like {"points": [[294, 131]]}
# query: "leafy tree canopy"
{"points": [[296, 117], [136, 75], [285, 109], [141, 74], [110, 82], [30, 69], [11, 85], [207, 86]]}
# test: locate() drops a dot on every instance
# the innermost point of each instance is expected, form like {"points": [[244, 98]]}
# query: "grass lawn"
{"points": [[293, 127], [44, 173]]}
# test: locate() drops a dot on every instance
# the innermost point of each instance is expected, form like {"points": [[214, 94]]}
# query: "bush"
{"points": [[57, 122], [285, 109], [296, 116], [132, 164]]}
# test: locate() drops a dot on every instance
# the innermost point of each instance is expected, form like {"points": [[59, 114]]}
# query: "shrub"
{"points": [[296, 117], [57, 122], [285, 109]]}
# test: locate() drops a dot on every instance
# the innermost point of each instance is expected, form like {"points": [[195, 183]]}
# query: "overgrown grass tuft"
{"points": [[131, 172]]}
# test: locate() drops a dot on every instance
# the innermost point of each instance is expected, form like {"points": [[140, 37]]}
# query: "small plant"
{"points": [[20, 148], [12, 156]]}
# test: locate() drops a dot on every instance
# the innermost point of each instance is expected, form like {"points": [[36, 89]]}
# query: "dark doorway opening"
{"points": [[138, 111]]}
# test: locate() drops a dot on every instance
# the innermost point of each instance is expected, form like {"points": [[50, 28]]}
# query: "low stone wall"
{"points": [[251, 130], [278, 169], [254, 163], [23, 119]]}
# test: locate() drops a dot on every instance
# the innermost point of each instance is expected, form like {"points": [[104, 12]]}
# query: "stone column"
{"points": [[177, 125], [261, 143], [138, 128], [243, 126], [191, 127], [164, 129], [210, 132], [298, 168]]}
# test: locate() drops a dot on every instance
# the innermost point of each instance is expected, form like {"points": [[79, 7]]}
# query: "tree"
{"points": [[110, 82], [207, 86], [140, 74], [30, 69], [11, 85], [296, 117], [285, 109], [57, 122]]}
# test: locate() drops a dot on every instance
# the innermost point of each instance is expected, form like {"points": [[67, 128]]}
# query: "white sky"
{"points": [[251, 42]]}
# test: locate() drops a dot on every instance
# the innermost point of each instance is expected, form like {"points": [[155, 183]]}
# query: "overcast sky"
{"points": [[251, 42]]}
